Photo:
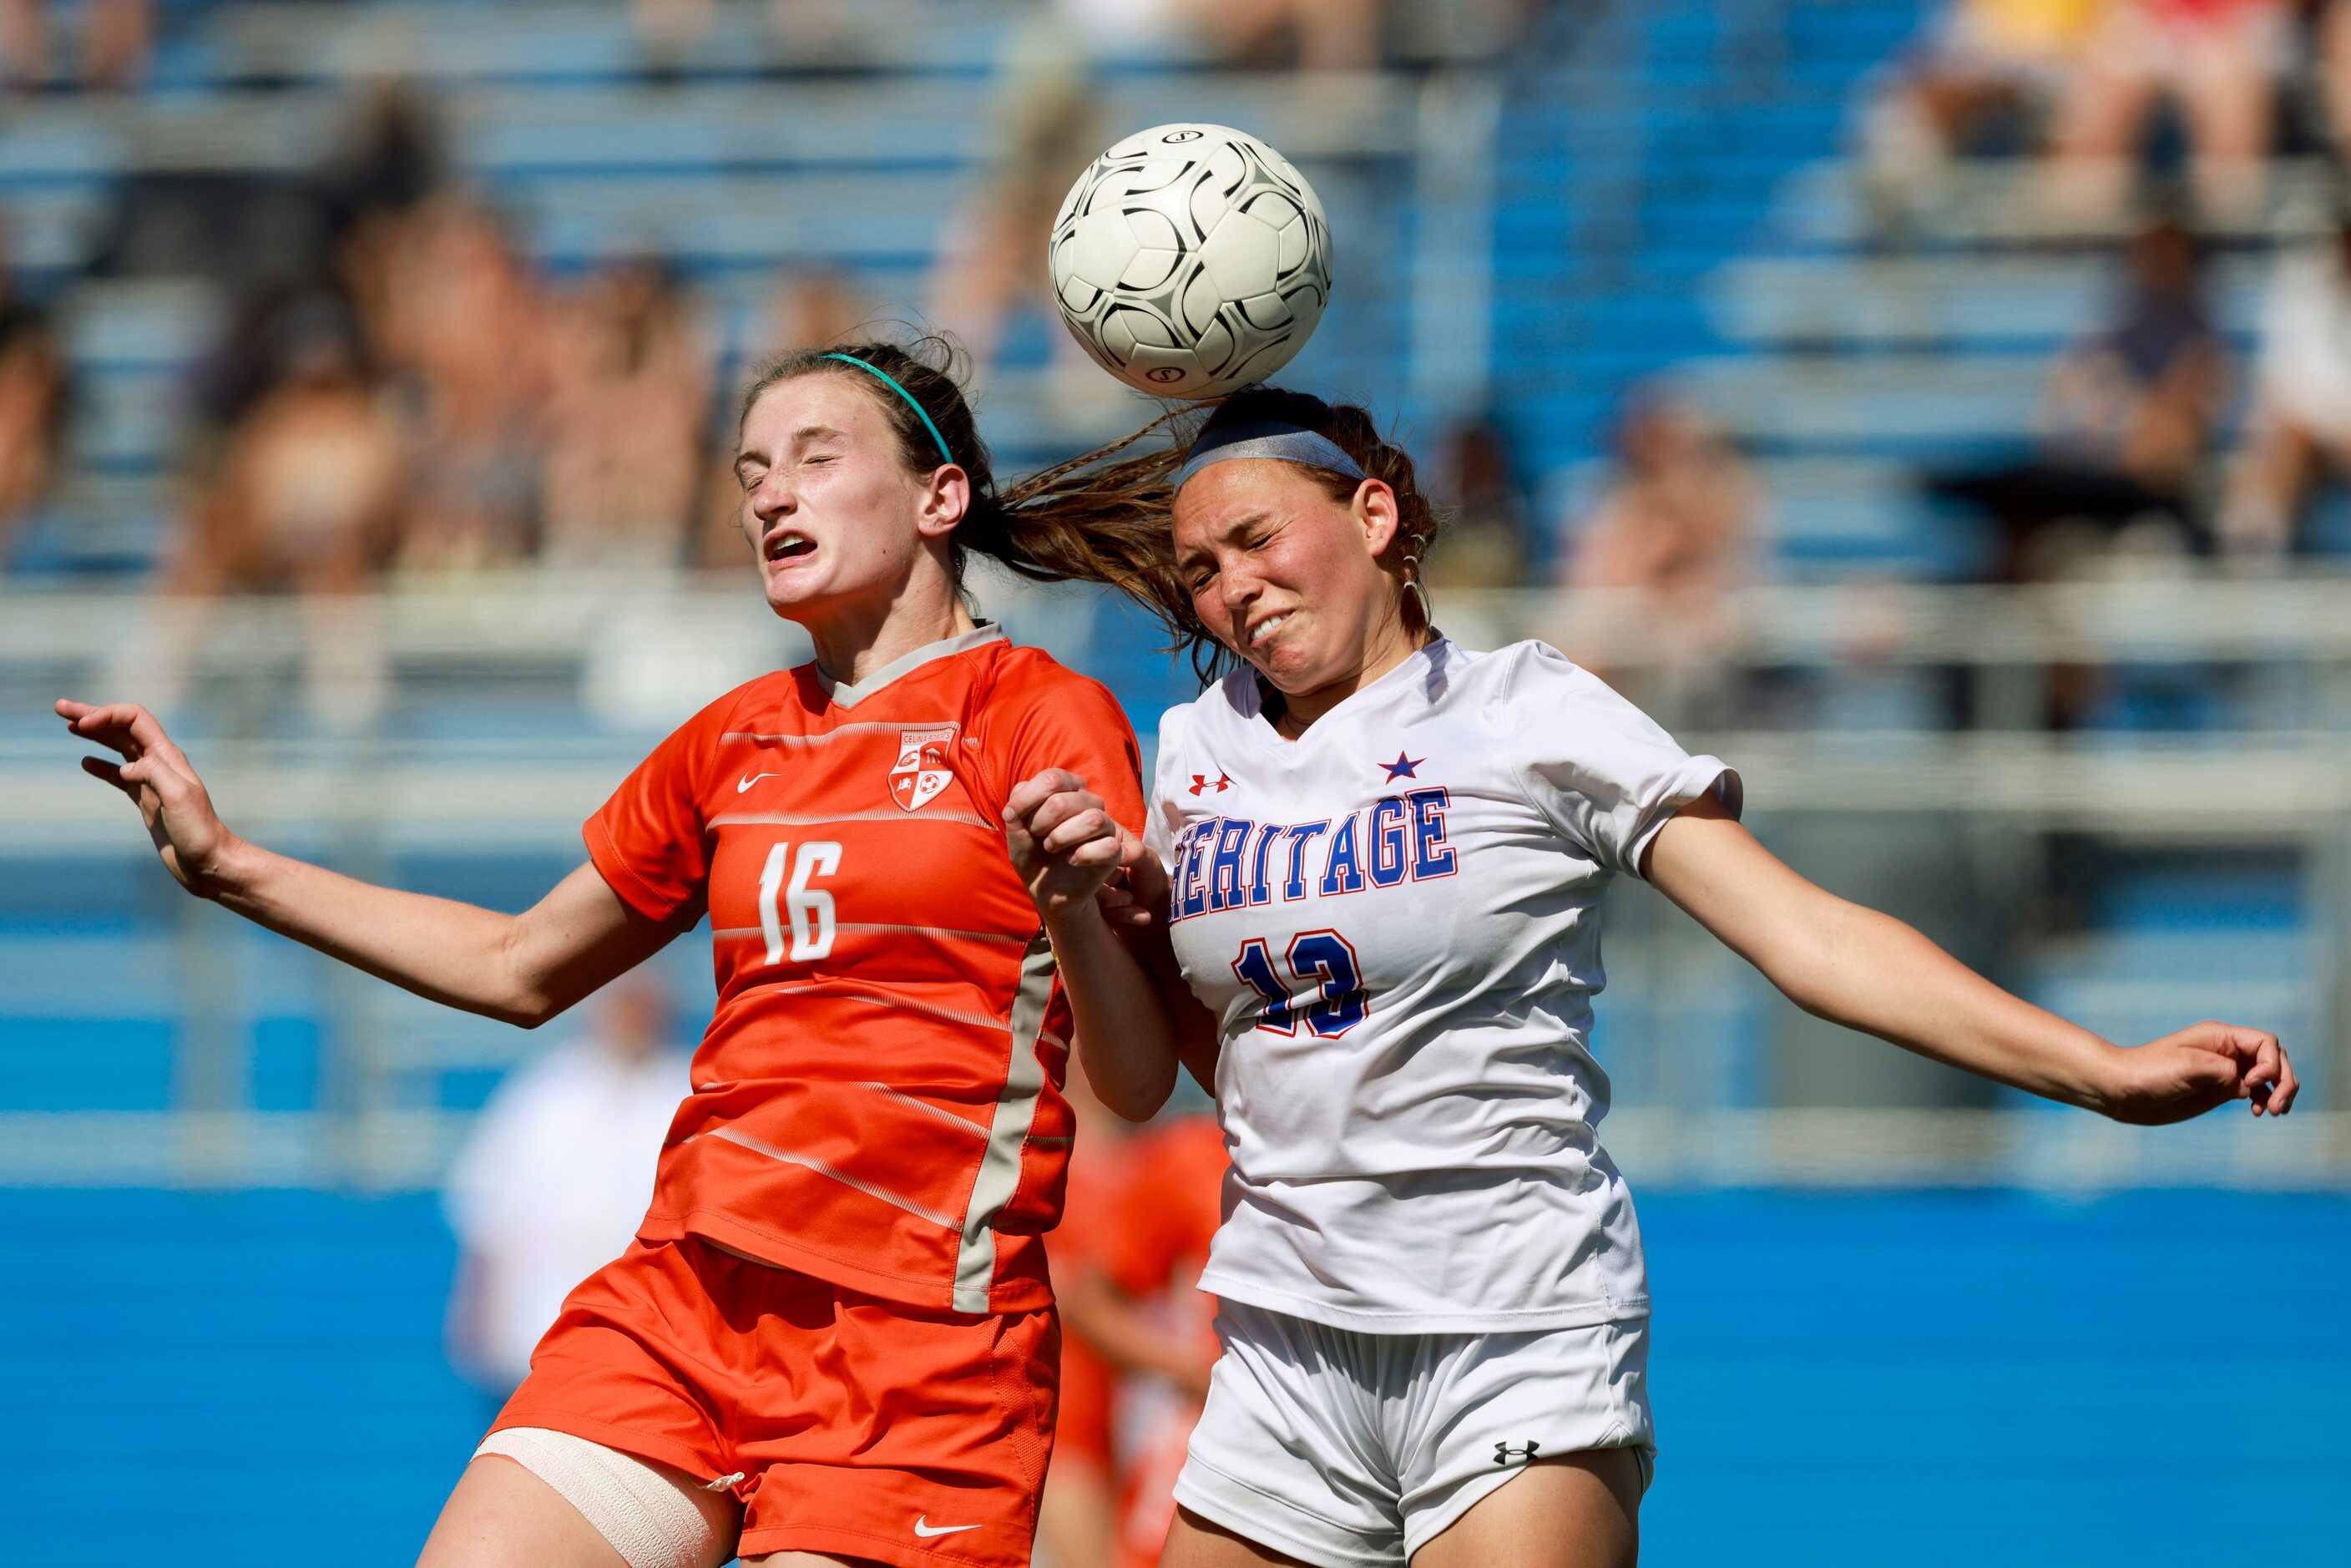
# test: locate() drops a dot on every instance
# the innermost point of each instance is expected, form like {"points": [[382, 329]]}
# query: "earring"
{"points": [[1414, 590]]}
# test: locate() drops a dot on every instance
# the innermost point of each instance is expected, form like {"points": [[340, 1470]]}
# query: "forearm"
{"points": [[1125, 1037], [1871, 972], [455, 954]]}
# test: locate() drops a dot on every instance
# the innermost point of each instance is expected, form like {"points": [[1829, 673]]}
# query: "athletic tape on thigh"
{"points": [[647, 1518]]}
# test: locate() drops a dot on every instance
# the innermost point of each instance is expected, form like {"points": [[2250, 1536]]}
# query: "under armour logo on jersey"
{"points": [[1402, 768], [1504, 1453], [1200, 784]]}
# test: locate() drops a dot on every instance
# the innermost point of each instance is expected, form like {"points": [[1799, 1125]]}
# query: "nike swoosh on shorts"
{"points": [[925, 1529]]}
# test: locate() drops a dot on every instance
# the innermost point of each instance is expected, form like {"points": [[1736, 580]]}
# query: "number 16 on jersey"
{"points": [[1320, 958], [809, 908]]}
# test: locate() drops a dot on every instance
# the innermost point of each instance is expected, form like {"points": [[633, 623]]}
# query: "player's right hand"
{"points": [[157, 777], [1063, 841]]}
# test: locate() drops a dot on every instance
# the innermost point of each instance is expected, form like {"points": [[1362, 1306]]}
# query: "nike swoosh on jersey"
{"points": [[925, 1529], [748, 779]]}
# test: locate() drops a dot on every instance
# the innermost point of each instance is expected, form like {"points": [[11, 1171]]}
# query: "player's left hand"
{"points": [[2204, 1065], [1063, 841]]}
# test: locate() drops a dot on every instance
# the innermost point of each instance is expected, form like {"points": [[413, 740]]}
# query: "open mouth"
{"points": [[789, 544]]}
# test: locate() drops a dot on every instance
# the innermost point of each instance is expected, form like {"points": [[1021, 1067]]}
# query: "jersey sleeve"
{"points": [[1074, 723], [1601, 770], [650, 840], [1159, 831]]}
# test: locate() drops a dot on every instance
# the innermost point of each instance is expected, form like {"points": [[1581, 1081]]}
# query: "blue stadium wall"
{"points": [[2147, 1379]]}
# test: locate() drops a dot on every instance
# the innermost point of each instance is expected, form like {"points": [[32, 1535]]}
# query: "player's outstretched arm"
{"points": [[1066, 847], [1871, 972], [522, 968]]}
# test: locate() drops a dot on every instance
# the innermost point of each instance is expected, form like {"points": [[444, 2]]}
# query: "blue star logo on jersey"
{"points": [[1402, 768]]}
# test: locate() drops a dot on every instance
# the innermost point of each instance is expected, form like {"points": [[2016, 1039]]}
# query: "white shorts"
{"points": [[1353, 1450]]}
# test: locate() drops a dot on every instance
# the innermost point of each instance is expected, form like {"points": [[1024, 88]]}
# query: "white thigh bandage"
{"points": [[646, 1516]]}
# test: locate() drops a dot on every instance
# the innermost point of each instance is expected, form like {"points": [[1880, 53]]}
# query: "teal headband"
{"points": [[892, 382]]}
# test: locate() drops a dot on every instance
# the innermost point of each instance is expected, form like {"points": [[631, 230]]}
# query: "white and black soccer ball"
{"points": [[1191, 260]]}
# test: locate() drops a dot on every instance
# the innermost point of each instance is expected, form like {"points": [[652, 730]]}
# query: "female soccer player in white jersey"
{"points": [[1384, 858], [834, 1340]]}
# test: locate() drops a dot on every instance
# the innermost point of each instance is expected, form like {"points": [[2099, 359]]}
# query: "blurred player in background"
{"points": [[1137, 1302], [555, 1177], [1379, 860], [833, 1340], [1077, 1518]]}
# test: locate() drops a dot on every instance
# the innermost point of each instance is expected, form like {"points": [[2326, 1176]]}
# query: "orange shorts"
{"points": [[860, 1426]]}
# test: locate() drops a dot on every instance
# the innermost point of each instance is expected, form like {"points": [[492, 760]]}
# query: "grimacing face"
{"points": [[830, 510], [1282, 574]]}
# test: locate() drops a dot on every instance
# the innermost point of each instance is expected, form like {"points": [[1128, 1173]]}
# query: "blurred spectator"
{"points": [[991, 259], [115, 38], [1676, 525], [2219, 60], [556, 1177], [462, 324], [629, 399], [32, 410], [304, 495], [1486, 540], [1313, 34], [389, 159], [668, 30], [808, 310], [2300, 426], [2126, 418], [1136, 1300], [307, 495], [2331, 35], [1990, 79]]}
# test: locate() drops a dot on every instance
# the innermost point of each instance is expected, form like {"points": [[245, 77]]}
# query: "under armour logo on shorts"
{"points": [[1504, 1453]]}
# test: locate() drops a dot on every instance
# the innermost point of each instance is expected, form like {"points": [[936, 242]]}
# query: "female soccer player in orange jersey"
{"points": [[833, 1340], [1377, 859]]}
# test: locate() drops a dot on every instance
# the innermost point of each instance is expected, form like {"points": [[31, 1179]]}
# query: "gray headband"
{"points": [[1266, 438]]}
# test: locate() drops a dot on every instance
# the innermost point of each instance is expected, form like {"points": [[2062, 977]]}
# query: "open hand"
{"points": [[157, 777], [2204, 1065], [1063, 841]]}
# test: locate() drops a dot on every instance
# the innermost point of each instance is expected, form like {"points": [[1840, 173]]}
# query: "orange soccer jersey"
{"points": [[876, 1102]]}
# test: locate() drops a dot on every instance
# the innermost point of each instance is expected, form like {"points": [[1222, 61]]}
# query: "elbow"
{"points": [[527, 1009], [1139, 1104], [1134, 1098], [1807, 980]]}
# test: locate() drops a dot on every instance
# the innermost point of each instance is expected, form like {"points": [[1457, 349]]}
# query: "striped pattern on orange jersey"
{"points": [[877, 1100]]}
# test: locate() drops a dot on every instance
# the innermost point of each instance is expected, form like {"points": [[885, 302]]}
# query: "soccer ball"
{"points": [[1191, 260]]}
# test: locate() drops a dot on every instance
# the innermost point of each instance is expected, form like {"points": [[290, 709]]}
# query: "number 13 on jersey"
{"points": [[1321, 959]]}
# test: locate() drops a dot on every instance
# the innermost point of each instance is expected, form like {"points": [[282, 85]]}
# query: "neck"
{"points": [[855, 640], [1390, 648]]}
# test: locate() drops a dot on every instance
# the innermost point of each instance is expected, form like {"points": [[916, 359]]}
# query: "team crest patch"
{"points": [[921, 771]]}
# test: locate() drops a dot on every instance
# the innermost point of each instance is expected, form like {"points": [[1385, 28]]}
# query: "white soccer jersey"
{"points": [[1395, 918]]}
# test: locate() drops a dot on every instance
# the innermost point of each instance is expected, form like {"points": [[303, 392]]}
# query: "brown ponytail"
{"points": [[1100, 516]]}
